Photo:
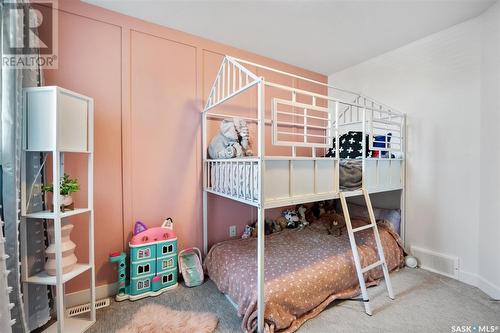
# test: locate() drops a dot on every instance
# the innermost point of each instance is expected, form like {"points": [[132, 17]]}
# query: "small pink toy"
{"points": [[143, 235]]}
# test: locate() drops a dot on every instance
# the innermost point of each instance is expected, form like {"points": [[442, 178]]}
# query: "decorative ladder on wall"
{"points": [[381, 258]]}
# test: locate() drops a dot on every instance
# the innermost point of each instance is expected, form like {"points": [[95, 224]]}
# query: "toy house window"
{"points": [[143, 254], [167, 263], [167, 249], [167, 278], [143, 269], [143, 284]]}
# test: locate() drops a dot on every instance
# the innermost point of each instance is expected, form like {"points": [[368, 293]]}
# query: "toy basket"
{"points": [[190, 266]]}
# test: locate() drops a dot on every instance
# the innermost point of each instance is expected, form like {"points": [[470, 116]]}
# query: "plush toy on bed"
{"points": [[301, 211], [276, 226], [335, 222], [282, 222], [330, 205], [318, 209], [231, 141], [247, 232], [292, 218], [310, 217], [253, 228], [271, 226]]}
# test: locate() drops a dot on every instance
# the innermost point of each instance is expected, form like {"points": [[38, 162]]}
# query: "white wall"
{"points": [[489, 223], [438, 82]]}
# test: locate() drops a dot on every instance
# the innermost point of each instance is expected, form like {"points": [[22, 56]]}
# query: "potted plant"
{"points": [[66, 187]]}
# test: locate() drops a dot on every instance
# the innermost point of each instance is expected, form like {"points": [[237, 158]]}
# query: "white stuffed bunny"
{"points": [[226, 144]]}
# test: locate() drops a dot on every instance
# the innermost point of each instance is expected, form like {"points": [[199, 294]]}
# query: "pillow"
{"points": [[351, 146], [393, 216]]}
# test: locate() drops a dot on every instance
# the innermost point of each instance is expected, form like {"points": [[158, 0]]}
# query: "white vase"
{"points": [[69, 259], [66, 200]]}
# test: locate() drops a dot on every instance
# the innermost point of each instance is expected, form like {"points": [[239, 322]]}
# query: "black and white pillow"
{"points": [[351, 146]]}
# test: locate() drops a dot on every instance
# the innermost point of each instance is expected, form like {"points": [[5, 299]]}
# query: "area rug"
{"points": [[153, 318]]}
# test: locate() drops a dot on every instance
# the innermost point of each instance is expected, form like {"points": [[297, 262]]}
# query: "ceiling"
{"points": [[323, 36]]}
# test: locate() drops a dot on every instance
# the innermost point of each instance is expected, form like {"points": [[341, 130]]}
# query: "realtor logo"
{"points": [[31, 38]]}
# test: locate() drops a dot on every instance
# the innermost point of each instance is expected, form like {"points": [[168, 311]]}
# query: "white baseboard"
{"points": [[468, 277], [83, 296], [433, 261], [478, 281], [489, 288]]}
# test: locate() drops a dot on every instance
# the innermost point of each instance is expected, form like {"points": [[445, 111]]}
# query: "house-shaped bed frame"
{"points": [[301, 120]]}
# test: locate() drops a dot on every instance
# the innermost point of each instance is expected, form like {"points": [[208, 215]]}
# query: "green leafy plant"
{"points": [[67, 186]]}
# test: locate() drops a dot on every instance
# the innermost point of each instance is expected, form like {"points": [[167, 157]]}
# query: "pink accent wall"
{"points": [[148, 83]]}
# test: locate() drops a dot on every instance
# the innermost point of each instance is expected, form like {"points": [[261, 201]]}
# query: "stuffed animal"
{"points": [[301, 210], [309, 215], [282, 222], [231, 141], [244, 135], [329, 205], [336, 223], [254, 227], [292, 218], [276, 226], [318, 209], [247, 232], [225, 144], [269, 226]]}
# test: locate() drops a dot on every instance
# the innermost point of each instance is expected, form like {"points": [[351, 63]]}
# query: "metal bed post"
{"points": [[336, 185], [402, 230], [204, 181], [260, 209], [363, 146]]}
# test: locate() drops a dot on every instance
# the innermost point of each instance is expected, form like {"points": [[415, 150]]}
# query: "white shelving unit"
{"points": [[58, 122]]}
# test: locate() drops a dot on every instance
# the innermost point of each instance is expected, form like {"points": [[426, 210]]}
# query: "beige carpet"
{"points": [[425, 302]]}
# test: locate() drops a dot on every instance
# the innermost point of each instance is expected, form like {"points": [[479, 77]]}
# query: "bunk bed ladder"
{"points": [[381, 258]]}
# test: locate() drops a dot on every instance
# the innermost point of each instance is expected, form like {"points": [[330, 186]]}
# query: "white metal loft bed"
{"points": [[305, 122]]}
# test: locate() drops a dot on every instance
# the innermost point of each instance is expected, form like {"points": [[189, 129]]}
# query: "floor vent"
{"points": [[436, 262], [79, 309]]}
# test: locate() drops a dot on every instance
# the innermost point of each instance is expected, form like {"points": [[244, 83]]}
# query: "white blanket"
{"points": [[235, 179]]}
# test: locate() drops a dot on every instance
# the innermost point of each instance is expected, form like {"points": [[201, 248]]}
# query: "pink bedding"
{"points": [[305, 270]]}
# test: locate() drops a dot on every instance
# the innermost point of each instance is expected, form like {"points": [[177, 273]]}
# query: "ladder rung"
{"points": [[371, 225], [375, 264]]}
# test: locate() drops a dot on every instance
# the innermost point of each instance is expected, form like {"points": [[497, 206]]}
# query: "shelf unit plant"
{"points": [[66, 187], [59, 122]]}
